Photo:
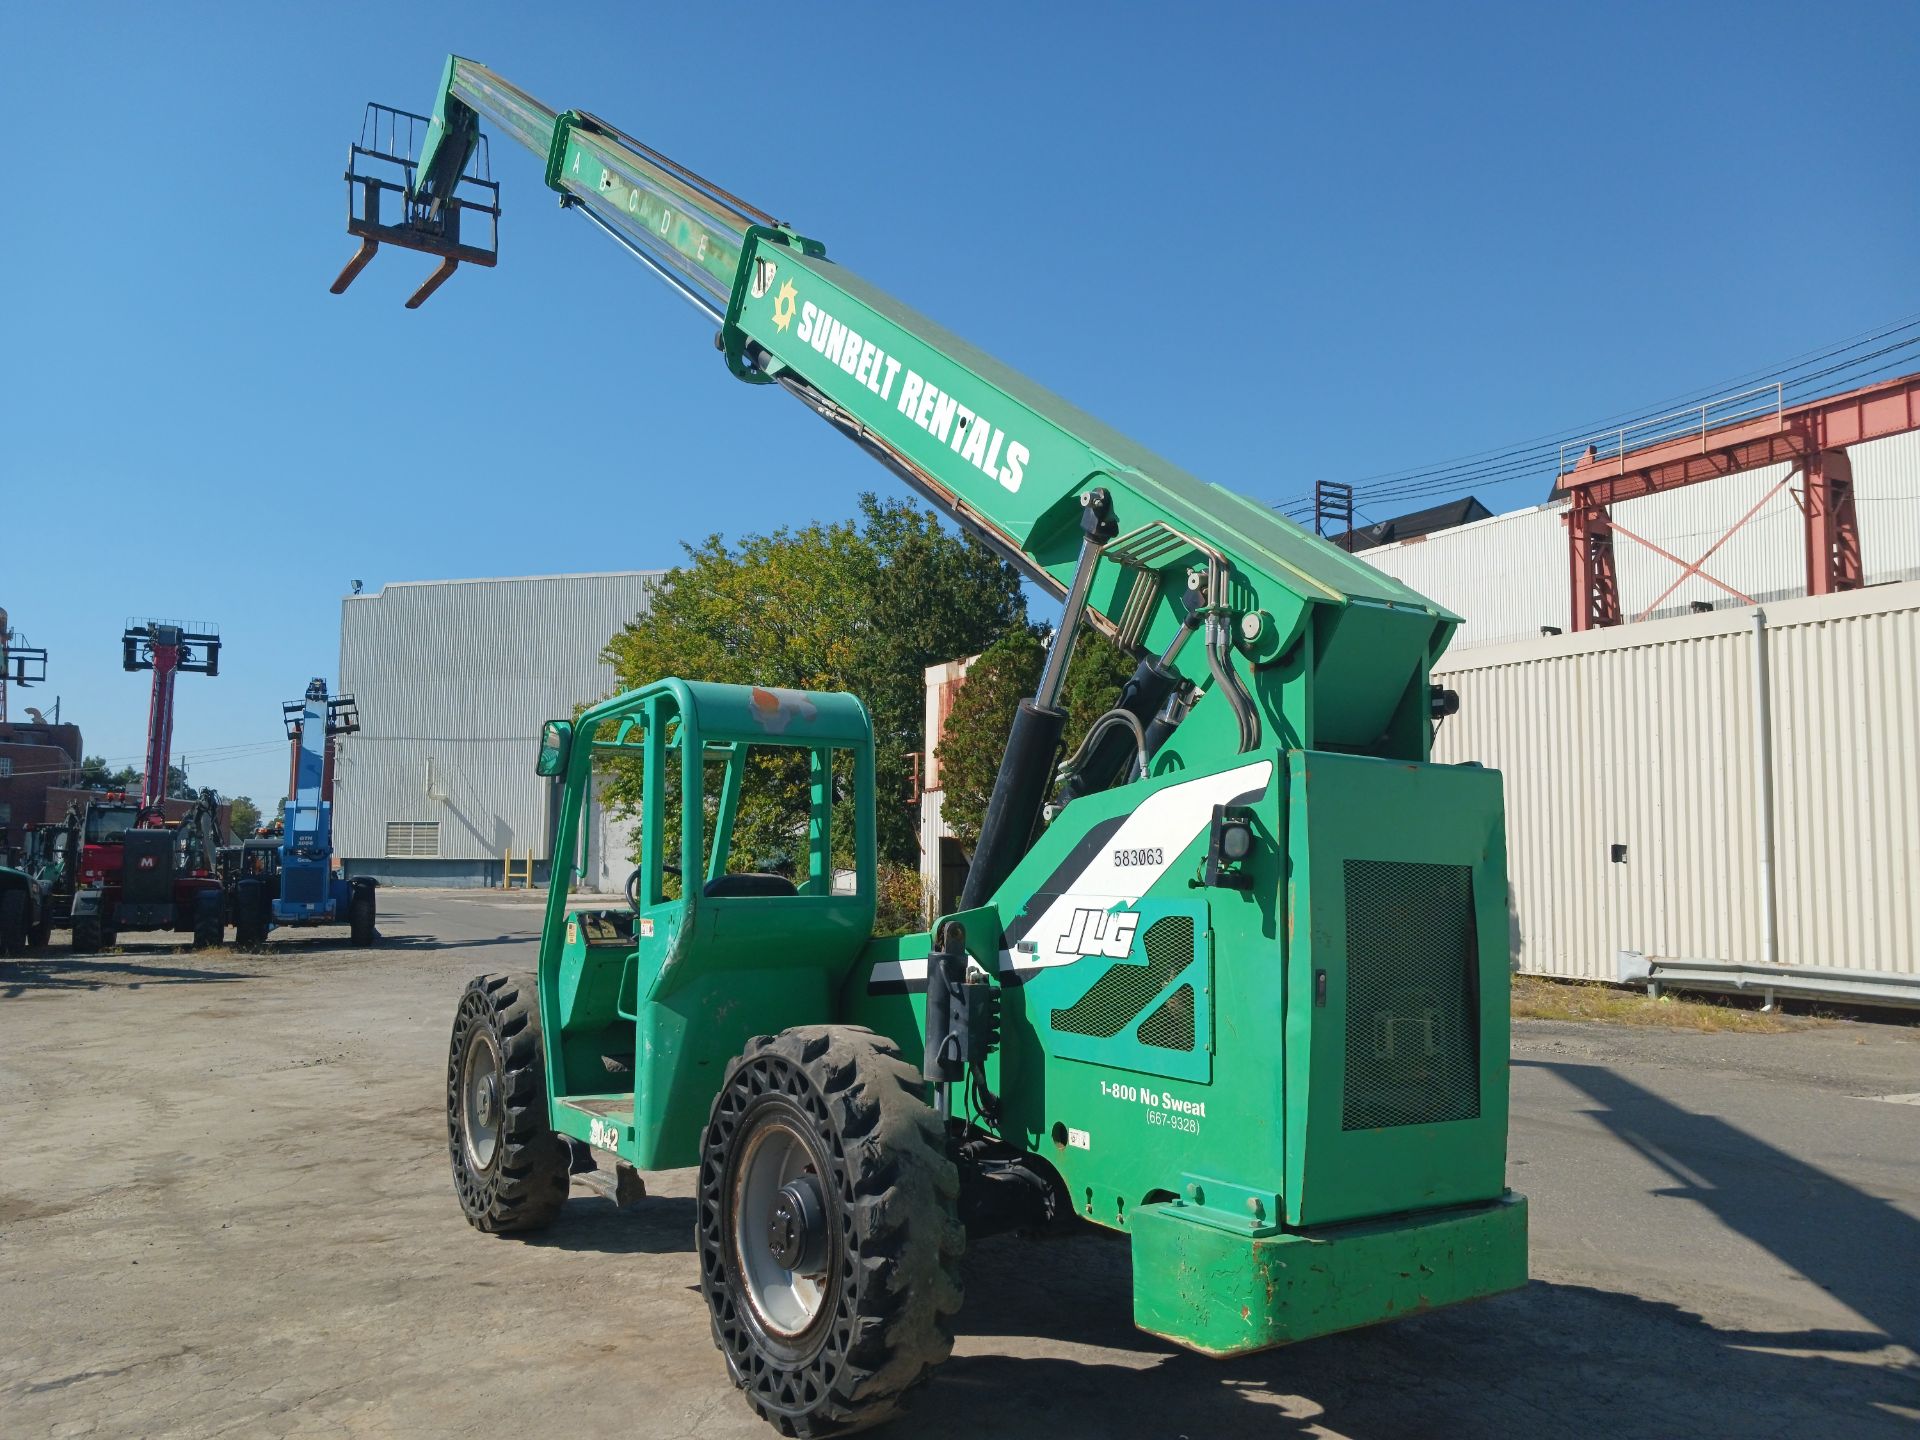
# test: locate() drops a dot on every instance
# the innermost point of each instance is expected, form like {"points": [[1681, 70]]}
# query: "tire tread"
{"points": [[902, 1229]]}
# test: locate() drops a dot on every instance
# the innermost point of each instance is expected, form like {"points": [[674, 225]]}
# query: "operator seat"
{"points": [[748, 882]]}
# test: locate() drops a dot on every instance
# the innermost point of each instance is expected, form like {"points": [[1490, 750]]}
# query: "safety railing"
{"points": [[1698, 421], [1767, 981]]}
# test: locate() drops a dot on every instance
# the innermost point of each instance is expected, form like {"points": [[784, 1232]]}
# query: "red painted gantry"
{"points": [[1812, 437]]}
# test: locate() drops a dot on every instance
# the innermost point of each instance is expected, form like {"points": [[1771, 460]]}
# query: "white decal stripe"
{"points": [[1169, 821], [898, 972]]}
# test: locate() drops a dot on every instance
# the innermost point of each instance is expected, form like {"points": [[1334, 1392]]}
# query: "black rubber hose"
{"points": [[1104, 757]]}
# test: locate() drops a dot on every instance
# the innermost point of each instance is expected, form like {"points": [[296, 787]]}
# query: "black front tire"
{"points": [[510, 1169], [360, 916], [40, 933], [13, 922], [252, 915], [890, 1233]]}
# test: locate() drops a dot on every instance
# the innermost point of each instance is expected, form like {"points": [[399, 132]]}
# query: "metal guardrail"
{"points": [[1728, 977], [1696, 420]]}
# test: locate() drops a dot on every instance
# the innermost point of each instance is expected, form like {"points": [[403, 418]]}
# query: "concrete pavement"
{"points": [[225, 1210]]}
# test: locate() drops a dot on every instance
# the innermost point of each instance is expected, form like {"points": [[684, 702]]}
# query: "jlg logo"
{"points": [[1095, 932]]}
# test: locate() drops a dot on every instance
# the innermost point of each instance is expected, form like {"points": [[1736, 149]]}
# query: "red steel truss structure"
{"points": [[1754, 430]]}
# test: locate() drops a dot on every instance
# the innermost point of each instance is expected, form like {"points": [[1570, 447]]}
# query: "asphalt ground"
{"points": [[225, 1210]]}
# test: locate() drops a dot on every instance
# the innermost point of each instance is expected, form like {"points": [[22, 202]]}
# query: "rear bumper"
{"points": [[322, 914], [143, 917], [1221, 1293]]}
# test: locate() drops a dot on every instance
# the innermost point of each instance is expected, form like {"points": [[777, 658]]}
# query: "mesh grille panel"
{"points": [[1413, 1044], [304, 885], [1123, 992], [1171, 1026]]}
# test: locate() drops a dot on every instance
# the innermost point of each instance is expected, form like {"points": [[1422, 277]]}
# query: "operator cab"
{"points": [[752, 899], [108, 823]]}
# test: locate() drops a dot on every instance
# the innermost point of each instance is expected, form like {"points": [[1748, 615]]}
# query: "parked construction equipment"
{"points": [[55, 850], [1236, 985], [26, 902], [136, 871], [289, 880]]}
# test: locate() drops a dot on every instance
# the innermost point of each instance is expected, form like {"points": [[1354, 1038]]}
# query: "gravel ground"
{"points": [[225, 1210]]}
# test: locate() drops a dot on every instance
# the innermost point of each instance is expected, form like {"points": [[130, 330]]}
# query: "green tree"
{"points": [[975, 735], [243, 816], [95, 775], [862, 605]]}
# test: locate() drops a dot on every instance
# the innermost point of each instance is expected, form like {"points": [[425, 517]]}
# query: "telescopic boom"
{"points": [[1303, 643]]}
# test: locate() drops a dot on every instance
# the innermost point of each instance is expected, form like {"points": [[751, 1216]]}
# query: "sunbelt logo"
{"points": [[966, 432]]}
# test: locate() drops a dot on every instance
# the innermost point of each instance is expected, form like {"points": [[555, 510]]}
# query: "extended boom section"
{"points": [[1231, 978]]}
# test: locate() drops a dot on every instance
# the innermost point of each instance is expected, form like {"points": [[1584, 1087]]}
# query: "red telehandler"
{"points": [[137, 872]]}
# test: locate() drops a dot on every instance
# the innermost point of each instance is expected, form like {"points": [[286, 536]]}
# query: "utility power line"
{"points": [[1828, 369]]}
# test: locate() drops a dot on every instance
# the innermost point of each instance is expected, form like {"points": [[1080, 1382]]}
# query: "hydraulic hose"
{"points": [[1080, 777], [1220, 666]]}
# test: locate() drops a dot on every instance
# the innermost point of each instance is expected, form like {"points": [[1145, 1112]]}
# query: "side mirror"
{"points": [[556, 744]]}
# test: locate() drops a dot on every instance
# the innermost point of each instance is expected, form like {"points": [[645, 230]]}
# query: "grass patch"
{"points": [[1536, 998]]}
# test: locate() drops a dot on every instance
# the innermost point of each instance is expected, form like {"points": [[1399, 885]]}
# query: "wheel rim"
{"points": [[779, 1230], [482, 1101]]}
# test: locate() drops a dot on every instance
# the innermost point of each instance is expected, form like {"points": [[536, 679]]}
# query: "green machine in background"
{"points": [[1233, 980]]}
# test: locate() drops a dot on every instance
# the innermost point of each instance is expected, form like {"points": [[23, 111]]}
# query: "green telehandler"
{"points": [[1232, 980]]}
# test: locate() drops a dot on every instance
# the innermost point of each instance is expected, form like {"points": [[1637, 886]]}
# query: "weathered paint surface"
{"points": [[1210, 1290]]}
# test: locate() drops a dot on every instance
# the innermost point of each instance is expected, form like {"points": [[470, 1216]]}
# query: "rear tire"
{"points": [[829, 1229], [87, 935], [510, 1169], [209, 928], [252, 913], [13, 922], [360, 916]]}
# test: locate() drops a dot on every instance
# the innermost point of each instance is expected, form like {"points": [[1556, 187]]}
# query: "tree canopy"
{"points": [[863, 606], [95, 774], [975, 735], [243, 816]]}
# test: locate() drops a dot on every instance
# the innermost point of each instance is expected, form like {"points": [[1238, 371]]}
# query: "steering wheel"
{"points": [[633, 884]]}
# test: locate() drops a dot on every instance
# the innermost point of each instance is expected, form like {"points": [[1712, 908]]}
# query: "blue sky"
{"points": [[1274, 242]]}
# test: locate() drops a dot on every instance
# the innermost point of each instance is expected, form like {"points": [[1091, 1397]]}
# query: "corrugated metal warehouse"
{"points": [[1639, 761], [454, 679]]}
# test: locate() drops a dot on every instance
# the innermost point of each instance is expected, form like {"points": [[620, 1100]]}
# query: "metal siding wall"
{"points": [[1886, 489], [464, 672], [1846, 721], [1505, 577], [1644, 736], [1626, 745]]}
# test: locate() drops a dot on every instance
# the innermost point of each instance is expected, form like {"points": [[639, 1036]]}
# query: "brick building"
{"points": [[35, 758]]}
